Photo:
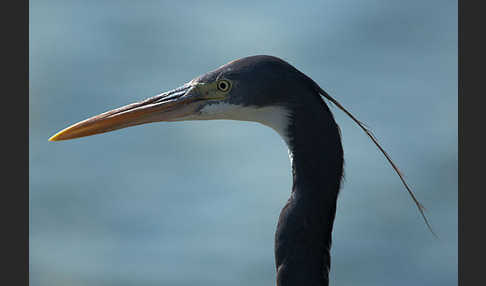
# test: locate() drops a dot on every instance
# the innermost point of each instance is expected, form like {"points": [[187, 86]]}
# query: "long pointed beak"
{"points": [[169, 106]]}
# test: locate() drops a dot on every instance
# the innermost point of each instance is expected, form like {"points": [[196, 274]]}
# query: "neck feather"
{"points": [[303, 236]]}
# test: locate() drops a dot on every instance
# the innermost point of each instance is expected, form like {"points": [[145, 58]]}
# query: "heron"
{"points": [[270, 91]]}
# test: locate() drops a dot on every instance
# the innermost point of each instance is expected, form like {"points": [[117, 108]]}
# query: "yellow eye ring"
{"points": [[224, 85]]}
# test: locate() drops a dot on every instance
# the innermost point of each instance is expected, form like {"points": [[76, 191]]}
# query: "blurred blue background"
{"points": [[196, 203]]}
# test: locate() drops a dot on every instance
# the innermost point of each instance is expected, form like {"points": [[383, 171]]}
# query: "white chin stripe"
{"points": [[275, 117]]}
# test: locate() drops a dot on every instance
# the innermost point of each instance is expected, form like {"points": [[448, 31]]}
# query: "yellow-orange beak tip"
{"points": [[61, 135], [55, 137]]}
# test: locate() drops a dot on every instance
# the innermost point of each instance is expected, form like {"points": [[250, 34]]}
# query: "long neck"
{"points": [[303, 236]]}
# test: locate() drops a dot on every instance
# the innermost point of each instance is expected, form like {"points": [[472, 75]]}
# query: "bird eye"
{"points": [[224, 85]]}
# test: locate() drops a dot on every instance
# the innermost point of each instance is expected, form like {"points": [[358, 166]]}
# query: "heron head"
{"points": [[258, 88]]}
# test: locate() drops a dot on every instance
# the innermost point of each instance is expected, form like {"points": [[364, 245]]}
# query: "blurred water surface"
{"points": [[197, 202]]}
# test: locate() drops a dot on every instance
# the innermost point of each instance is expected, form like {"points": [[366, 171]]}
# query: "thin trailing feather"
{"points": [[373, 138]]}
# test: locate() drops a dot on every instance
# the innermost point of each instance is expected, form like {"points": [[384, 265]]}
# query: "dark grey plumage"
{"points": [[303, 236]]}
